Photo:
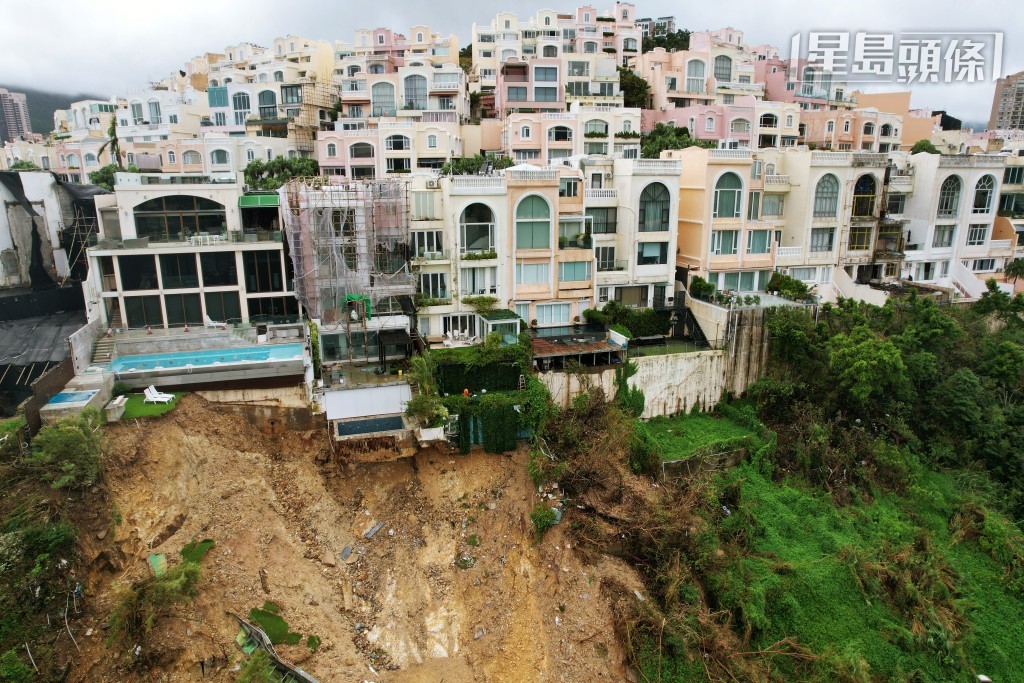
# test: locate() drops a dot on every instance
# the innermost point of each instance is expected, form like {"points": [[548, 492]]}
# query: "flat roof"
{"points": [[348, 404]]}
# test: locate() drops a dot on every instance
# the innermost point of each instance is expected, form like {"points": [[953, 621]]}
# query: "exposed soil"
{"points": [[453, 586]]}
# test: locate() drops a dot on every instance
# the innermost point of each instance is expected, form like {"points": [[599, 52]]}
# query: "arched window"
{"points": [[864, 192], [549, 51], [826, 197], [629, 44], [73, 161], [709, 123], [949, 197], [886, 131], [723, 69], [264, 78], [431, 142], [740, 126], [361, 150], [789, 120], [655, 202], [240, 103], [769, 169], [560, 134], [590, 47], [982, 193], [279, 77], [382, 99], [507, 55], [728, 196], [476, 229], [353, 70], [90, 159], [375, 68], [595, 128], [175, 218], [830, 126], [270, 154], [524, 132], [170, 157], [808, 85], [846, 126], [250, 154], [695, 70], [268, 104], [415, 92], [419, 37], [769, 121], [332, 150], [397, 143], [533, 224], [547, 21], [191, 158], [214, 83], [219, 157], [869, 128]]}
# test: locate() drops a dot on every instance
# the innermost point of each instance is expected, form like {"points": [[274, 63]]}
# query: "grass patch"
{"points": [[274, 625], [680, 437], [135, 407], [195, 551], [313, 643], [473, 540]]}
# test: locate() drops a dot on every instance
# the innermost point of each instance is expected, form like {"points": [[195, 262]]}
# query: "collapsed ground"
{"points": [[452, 582]]}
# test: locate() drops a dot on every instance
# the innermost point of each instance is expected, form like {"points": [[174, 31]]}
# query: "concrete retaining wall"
{"points": [[199, 339]]}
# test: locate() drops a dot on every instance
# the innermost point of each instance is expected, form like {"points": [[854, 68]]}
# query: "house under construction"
{"points": [[349, 243]]}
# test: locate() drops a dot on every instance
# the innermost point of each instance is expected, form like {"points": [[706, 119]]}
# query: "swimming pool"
{"points": [[208, 358], [71, 397]]}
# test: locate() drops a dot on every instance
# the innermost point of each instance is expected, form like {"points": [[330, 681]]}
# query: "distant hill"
{"points": [[42, 104]]}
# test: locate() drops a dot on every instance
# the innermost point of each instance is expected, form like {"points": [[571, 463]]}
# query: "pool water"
{"points": [[71, 397], [197, 359]]}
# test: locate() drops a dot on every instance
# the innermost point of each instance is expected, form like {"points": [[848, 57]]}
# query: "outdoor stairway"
{"points": [[103, 351], [692, 328]]}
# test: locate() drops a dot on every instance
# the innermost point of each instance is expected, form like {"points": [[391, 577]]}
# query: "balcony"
{"points": [[730, 154], [776, 183], [477, 185], [971, 160], [431, 257], [788, 254], [870, 159], [1000, 247], [902, 183], [558, 116], [831, 158], [546, 174], [445, 85], [619, 265], [600, 197], [890, 248]]}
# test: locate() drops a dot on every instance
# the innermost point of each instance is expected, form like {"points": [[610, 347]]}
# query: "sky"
{"points": [[110, 47]]}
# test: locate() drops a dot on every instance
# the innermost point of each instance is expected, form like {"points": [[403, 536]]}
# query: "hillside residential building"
{"points": [[866, 130], [14, 112], [552, 137], [656, 28], [1008, 103], [421, 44], [177, 250], [749, 123]]}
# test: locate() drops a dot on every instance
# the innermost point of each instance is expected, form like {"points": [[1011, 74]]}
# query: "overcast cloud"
{"points": [[110, 47]]}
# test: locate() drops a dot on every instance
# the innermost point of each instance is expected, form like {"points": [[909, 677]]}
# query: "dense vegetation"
{"points": [[664, 136]]}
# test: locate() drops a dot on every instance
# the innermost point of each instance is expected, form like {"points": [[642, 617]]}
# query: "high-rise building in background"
{"points": [[1008, 103], [14, 112]]}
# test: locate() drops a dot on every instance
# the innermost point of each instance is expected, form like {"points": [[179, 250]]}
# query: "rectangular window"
{"points": [[434, 285], [223, 306], [860, 237], [568, 187], [220, 118], [943, 236], [553, 314], [983, 264], [579, 69], [517, 94], [427, 244], [773, 205], [1013, 175], [545, 94], [141, 311], [724, 242], [759, 242], [605, 258], [523, 311], [424, 206], [602, 221], [602, 294], [545, 73], [217, 96], [178, 271], [262, 271], [756, 169], [754, 206], [138, 272], [477, 281], [533, 273], [574, 271], [822, 239], [651, 253], [897, 203], [183, 309], [727, 203], [804, 274], [977, 235]]}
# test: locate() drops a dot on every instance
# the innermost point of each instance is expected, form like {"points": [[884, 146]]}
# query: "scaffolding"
{"points": [[349, 244]]}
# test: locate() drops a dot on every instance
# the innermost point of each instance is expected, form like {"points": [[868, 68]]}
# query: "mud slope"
{"points": [[452, 586]]}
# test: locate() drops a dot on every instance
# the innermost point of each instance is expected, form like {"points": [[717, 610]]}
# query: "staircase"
{"points": [[103, 351], [693, 329]]}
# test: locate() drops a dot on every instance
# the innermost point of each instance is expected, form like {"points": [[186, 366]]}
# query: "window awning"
{"points": [[256, 200]]}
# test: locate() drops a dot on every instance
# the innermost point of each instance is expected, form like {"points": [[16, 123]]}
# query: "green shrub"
{"points": [[258, 668], [621, 329], [13, 670], [543, 518], [139, 606], [68, 452], [787, 286], [700, 288]]}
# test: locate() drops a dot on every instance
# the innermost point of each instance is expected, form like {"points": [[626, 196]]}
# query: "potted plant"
{"points": [[563, 241], [431, 415]]}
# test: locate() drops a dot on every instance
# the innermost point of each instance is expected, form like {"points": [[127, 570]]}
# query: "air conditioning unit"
{"points": [[432, 184]]}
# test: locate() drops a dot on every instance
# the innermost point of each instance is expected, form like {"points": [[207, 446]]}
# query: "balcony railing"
{"points": [[478, 185], [994, 245], [831, 158], [611, 266], [600, 194], [962, 160], [558, 116], [870, 159], [788, 252], [443, 255], [444, 85], [741, 154], [657, 166], [542, 174], [776, 180]]}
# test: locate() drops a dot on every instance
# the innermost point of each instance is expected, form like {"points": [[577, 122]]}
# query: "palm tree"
{"points": [[1014, 269], [112, 143]]}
